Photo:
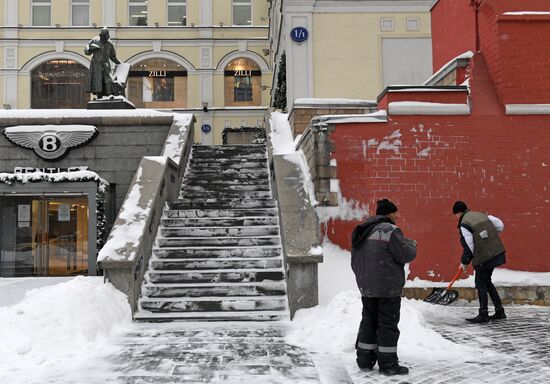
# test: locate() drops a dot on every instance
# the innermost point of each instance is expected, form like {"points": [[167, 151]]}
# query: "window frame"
{"points": [[80, 2], [138, 3], [241, 3], [176, 3], [41, 4]]}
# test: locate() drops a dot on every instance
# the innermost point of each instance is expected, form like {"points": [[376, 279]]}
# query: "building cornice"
{"points": [[386, 6]]}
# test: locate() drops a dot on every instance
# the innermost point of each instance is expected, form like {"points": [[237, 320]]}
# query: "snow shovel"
{"points": [[444, 296]]}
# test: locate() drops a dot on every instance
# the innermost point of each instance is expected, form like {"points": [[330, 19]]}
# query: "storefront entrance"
{"points": [[44, 235]]}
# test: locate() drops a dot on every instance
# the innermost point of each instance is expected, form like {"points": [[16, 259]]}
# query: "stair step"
{"points": [[198, 161], [218, 164], [215, 276], [220, 221], [247, 231], [213, 304], [217, 188], [224, 182], [227, 194], [204, 264], [220, 252], [206, 203], [174, 212], [228, 173], [218, 241], [212, 316], [220, 290]]}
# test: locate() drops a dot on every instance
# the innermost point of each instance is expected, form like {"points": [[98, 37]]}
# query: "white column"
{"points": [[299, 56], [205, 13], [11, 8], [109, 13]]}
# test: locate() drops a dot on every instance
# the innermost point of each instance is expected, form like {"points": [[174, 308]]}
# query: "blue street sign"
{"points": [[299, 34], [206, 128]]}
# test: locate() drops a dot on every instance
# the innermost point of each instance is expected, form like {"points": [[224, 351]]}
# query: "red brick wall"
{"points": [[498, 165], [449, 42], [525, 60]]}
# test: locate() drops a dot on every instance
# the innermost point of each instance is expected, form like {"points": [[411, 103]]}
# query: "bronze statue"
{"points": [[102, 81]]}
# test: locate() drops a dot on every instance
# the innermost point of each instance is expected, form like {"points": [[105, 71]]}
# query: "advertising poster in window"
{"points": [[158, 89]]}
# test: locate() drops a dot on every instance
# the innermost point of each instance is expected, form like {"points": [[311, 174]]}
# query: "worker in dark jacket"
{"points": [[378, 257], [482, 246]]}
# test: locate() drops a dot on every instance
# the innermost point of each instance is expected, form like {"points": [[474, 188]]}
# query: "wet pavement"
{"points": [[256, 352]]}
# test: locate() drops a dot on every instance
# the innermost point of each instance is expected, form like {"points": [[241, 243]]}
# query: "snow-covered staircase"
{"points": [[217, 255]]}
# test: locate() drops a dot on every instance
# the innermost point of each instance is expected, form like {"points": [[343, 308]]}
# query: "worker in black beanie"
{"points": [[378, 256], [481, 244]]}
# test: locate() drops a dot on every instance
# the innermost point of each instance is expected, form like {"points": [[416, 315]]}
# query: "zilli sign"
{"points": [[50, 142]]}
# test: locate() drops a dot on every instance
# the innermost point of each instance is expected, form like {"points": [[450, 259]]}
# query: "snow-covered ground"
{"points": [[54, 329]]}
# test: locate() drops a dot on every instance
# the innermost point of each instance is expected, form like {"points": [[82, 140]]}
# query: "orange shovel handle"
{"points": [[454, 278]]}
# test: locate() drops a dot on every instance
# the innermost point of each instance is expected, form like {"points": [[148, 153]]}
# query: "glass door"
{"points": [[44, 236]]}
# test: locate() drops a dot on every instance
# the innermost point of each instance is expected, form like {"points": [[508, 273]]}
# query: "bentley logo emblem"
{"points": [[50, 142]]}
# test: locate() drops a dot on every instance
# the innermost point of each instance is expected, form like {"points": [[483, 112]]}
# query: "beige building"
{"points": [[350, 48], [204, 56]]}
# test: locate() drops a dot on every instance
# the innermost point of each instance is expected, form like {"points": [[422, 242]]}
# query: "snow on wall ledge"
{"points": [[426, 108], [528, 109], [125, 236]]}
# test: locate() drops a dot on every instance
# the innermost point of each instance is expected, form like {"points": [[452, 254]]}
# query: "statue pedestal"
{"points": [[111, 102]]}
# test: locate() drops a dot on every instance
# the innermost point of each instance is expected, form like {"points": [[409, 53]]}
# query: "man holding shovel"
{"points": [[378, 256], [483, 247]]}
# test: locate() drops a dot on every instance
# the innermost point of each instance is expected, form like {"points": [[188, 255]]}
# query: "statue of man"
{"points": [[103, 52]]}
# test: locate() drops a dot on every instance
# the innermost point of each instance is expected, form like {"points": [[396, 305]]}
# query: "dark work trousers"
{"points": [[378, 332], [484, 284]]}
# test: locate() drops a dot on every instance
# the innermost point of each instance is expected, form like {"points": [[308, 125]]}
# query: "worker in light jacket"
{"points": [[479, 236], [378, 257]]}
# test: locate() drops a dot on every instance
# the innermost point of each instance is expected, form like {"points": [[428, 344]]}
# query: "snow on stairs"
{"points": [[217, 255]]}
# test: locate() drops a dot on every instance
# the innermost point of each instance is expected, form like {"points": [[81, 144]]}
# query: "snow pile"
{"points": [[55, 332], [333, 329]]}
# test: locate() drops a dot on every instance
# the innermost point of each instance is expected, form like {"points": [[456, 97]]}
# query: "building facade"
{"points": [[350, 49], [204, 56]]}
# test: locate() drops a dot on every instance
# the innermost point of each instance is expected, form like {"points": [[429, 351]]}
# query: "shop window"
{"points": [[43, 235], [59, 84], [157, 83], [41, 12], [242, 79], [80, 12], [177, 13], [137, 11], [242, 12]]}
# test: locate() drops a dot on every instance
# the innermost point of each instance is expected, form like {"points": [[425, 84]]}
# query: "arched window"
{"points": [[157, 83], [59, 84], [242, 83]]}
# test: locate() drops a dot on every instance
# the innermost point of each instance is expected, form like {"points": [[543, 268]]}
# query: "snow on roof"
{"points": [[447, 66], [321, 101], [525, 13], [47, 127], [380, 116], [44, 113], [36, 177], [528, 109], [426, 108]]}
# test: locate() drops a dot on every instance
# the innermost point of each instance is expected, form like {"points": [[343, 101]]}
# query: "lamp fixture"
{"points": [[205, 106]]}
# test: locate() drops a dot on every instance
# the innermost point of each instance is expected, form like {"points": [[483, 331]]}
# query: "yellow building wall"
{"points": [[96, 12], [347, 56], [61, 11], [121, 12], [24, 12]]}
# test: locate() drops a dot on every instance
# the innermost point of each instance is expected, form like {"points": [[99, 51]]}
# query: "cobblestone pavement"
{"points": [[257, 353], [213, 353], [521, 343]]}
